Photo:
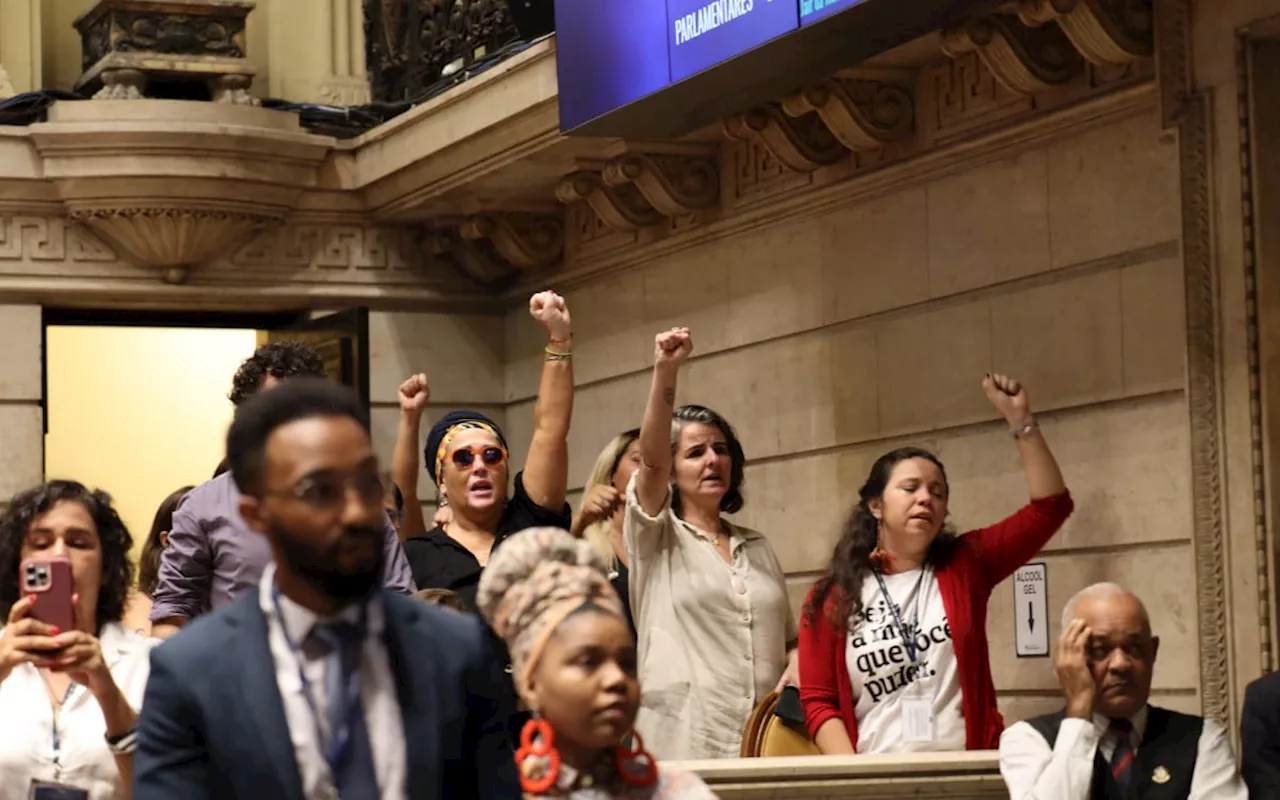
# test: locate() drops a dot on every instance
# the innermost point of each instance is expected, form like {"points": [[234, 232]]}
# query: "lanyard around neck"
{"points": [[333, 747], [908, 634]]}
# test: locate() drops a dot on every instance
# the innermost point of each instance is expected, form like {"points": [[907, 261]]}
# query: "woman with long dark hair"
{"points": [[69, 698], [709, 597], [893, 649]]}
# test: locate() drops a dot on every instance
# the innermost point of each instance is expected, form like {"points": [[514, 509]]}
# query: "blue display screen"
{"points": [[702, 33], [814, 10], [613, 52]]}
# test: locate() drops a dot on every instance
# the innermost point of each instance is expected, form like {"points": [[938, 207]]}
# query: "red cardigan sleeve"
{"points": [[1012, 542], [819, 684]]}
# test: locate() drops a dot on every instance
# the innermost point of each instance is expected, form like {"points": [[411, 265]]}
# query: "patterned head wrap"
{"points": [[533, 582], [443, 432]]}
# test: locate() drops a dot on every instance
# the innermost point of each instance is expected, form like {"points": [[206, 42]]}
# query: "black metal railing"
{"points": [[411, 45]]}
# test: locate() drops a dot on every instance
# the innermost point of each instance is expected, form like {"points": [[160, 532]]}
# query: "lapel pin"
{"points": [[1161, 775]]}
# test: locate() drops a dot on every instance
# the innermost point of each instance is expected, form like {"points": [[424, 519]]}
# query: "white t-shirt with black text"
{"points": [[882, 672]]}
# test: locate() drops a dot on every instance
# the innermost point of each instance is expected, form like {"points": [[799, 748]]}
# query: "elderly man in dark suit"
{"points": [[320, 684], [1260, 738]]}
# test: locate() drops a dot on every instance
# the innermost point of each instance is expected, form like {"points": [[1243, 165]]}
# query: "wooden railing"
{"points": [[954, 776], [410, 43]]}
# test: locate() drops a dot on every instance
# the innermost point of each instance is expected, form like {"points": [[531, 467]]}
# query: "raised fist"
{"points": [[1008, 397], [672, 347], [414, 393], [549, 309]]}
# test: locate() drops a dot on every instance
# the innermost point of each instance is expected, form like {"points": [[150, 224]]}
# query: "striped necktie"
{"points": [[1122, 758]]}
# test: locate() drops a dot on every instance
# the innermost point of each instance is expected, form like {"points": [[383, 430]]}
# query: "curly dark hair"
{"points": [[285, 359], [851, 561], [113, 536], [732, 501], [152, 549]]}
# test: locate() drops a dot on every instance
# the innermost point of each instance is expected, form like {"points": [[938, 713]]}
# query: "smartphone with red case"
{"points": [[49, 579]]}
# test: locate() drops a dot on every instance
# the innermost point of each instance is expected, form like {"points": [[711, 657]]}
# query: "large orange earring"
{"points": [[538, 760], [634, 764], [880, 558]]}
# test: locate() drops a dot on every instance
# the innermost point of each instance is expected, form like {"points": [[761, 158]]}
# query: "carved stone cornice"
{"points": [[623, 208], [475, 260], [1025, 60], [171, 239], [802, 144], [673, 184], [525, 241], [862, 114], [1103, 31]]}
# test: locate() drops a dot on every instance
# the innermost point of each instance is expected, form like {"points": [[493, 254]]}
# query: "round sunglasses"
{"points": [[490, 455]]}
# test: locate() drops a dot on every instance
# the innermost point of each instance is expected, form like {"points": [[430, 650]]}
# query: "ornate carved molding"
{"points": [[1202, 398], [1262, 510], [863, 115], [801, 144], [173, 240], [1103, 31], [50, 239], [622, 208], [1173, 57], [525, 241], [1026, 60], [672, 184], [331, 248]]}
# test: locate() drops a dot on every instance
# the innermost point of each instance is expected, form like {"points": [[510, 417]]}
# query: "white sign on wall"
{"points": [[1031, 611]]}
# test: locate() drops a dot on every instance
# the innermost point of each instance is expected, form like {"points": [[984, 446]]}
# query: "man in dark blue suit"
{"points": [[321, 684]]}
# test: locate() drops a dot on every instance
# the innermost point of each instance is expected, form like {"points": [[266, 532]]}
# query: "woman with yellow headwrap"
{"points": [[467, 456], [574, 663]]}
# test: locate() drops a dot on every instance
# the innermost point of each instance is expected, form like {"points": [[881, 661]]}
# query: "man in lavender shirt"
{"points": [[212, 556]]}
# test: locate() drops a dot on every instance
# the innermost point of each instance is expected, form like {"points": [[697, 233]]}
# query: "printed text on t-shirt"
{"points": [[881, 656]]}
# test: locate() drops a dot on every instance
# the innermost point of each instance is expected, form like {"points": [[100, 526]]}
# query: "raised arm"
{"points": [[653, 476], [1012, 542], [405, 469], [546, 470], [1009, 397]]}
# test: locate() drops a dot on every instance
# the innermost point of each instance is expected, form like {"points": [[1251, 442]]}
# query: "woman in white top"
{"points": [[709, 597], [68, 699]]}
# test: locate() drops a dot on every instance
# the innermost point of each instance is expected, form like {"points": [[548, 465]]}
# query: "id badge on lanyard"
{"points": [[42, 790], [917, 704]]}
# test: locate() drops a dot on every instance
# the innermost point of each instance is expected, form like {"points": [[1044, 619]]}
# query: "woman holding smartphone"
{"points": [[71, 676]]}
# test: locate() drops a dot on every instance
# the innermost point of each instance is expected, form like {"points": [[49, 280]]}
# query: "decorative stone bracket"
{"points": [[639, 190], [171, 239], [491, 250], [1029, 46], [1035, 45]]}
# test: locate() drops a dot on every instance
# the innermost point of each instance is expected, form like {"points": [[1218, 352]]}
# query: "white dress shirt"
{"points": [[377, 694], [83, 759], [1032, 771]]}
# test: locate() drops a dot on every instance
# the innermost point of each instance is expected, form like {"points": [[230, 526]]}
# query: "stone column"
{"points": [[316, 51], [21, 413]]}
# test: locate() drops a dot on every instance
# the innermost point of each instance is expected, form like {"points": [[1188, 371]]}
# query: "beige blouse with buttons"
{"points": [[712, 635]]}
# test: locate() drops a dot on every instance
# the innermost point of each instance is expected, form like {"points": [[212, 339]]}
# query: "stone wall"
{"points": [[828, 340], [21, 390]]}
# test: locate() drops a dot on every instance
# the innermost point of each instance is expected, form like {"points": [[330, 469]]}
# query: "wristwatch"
{"points": [[124, 744], [1030, 426]]}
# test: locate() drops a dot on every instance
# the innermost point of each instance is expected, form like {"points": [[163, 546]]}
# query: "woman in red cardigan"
{"points": [[893, 644]]}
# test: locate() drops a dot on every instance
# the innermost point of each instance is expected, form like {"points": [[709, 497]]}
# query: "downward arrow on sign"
{"points": [[1031, 616]]}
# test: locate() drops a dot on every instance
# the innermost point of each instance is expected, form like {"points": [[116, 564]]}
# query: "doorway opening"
{"points": [[136, 402]]}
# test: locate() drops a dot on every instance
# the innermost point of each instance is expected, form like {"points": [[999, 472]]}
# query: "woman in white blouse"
{"points": [[709, 597], [68, 699]]}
